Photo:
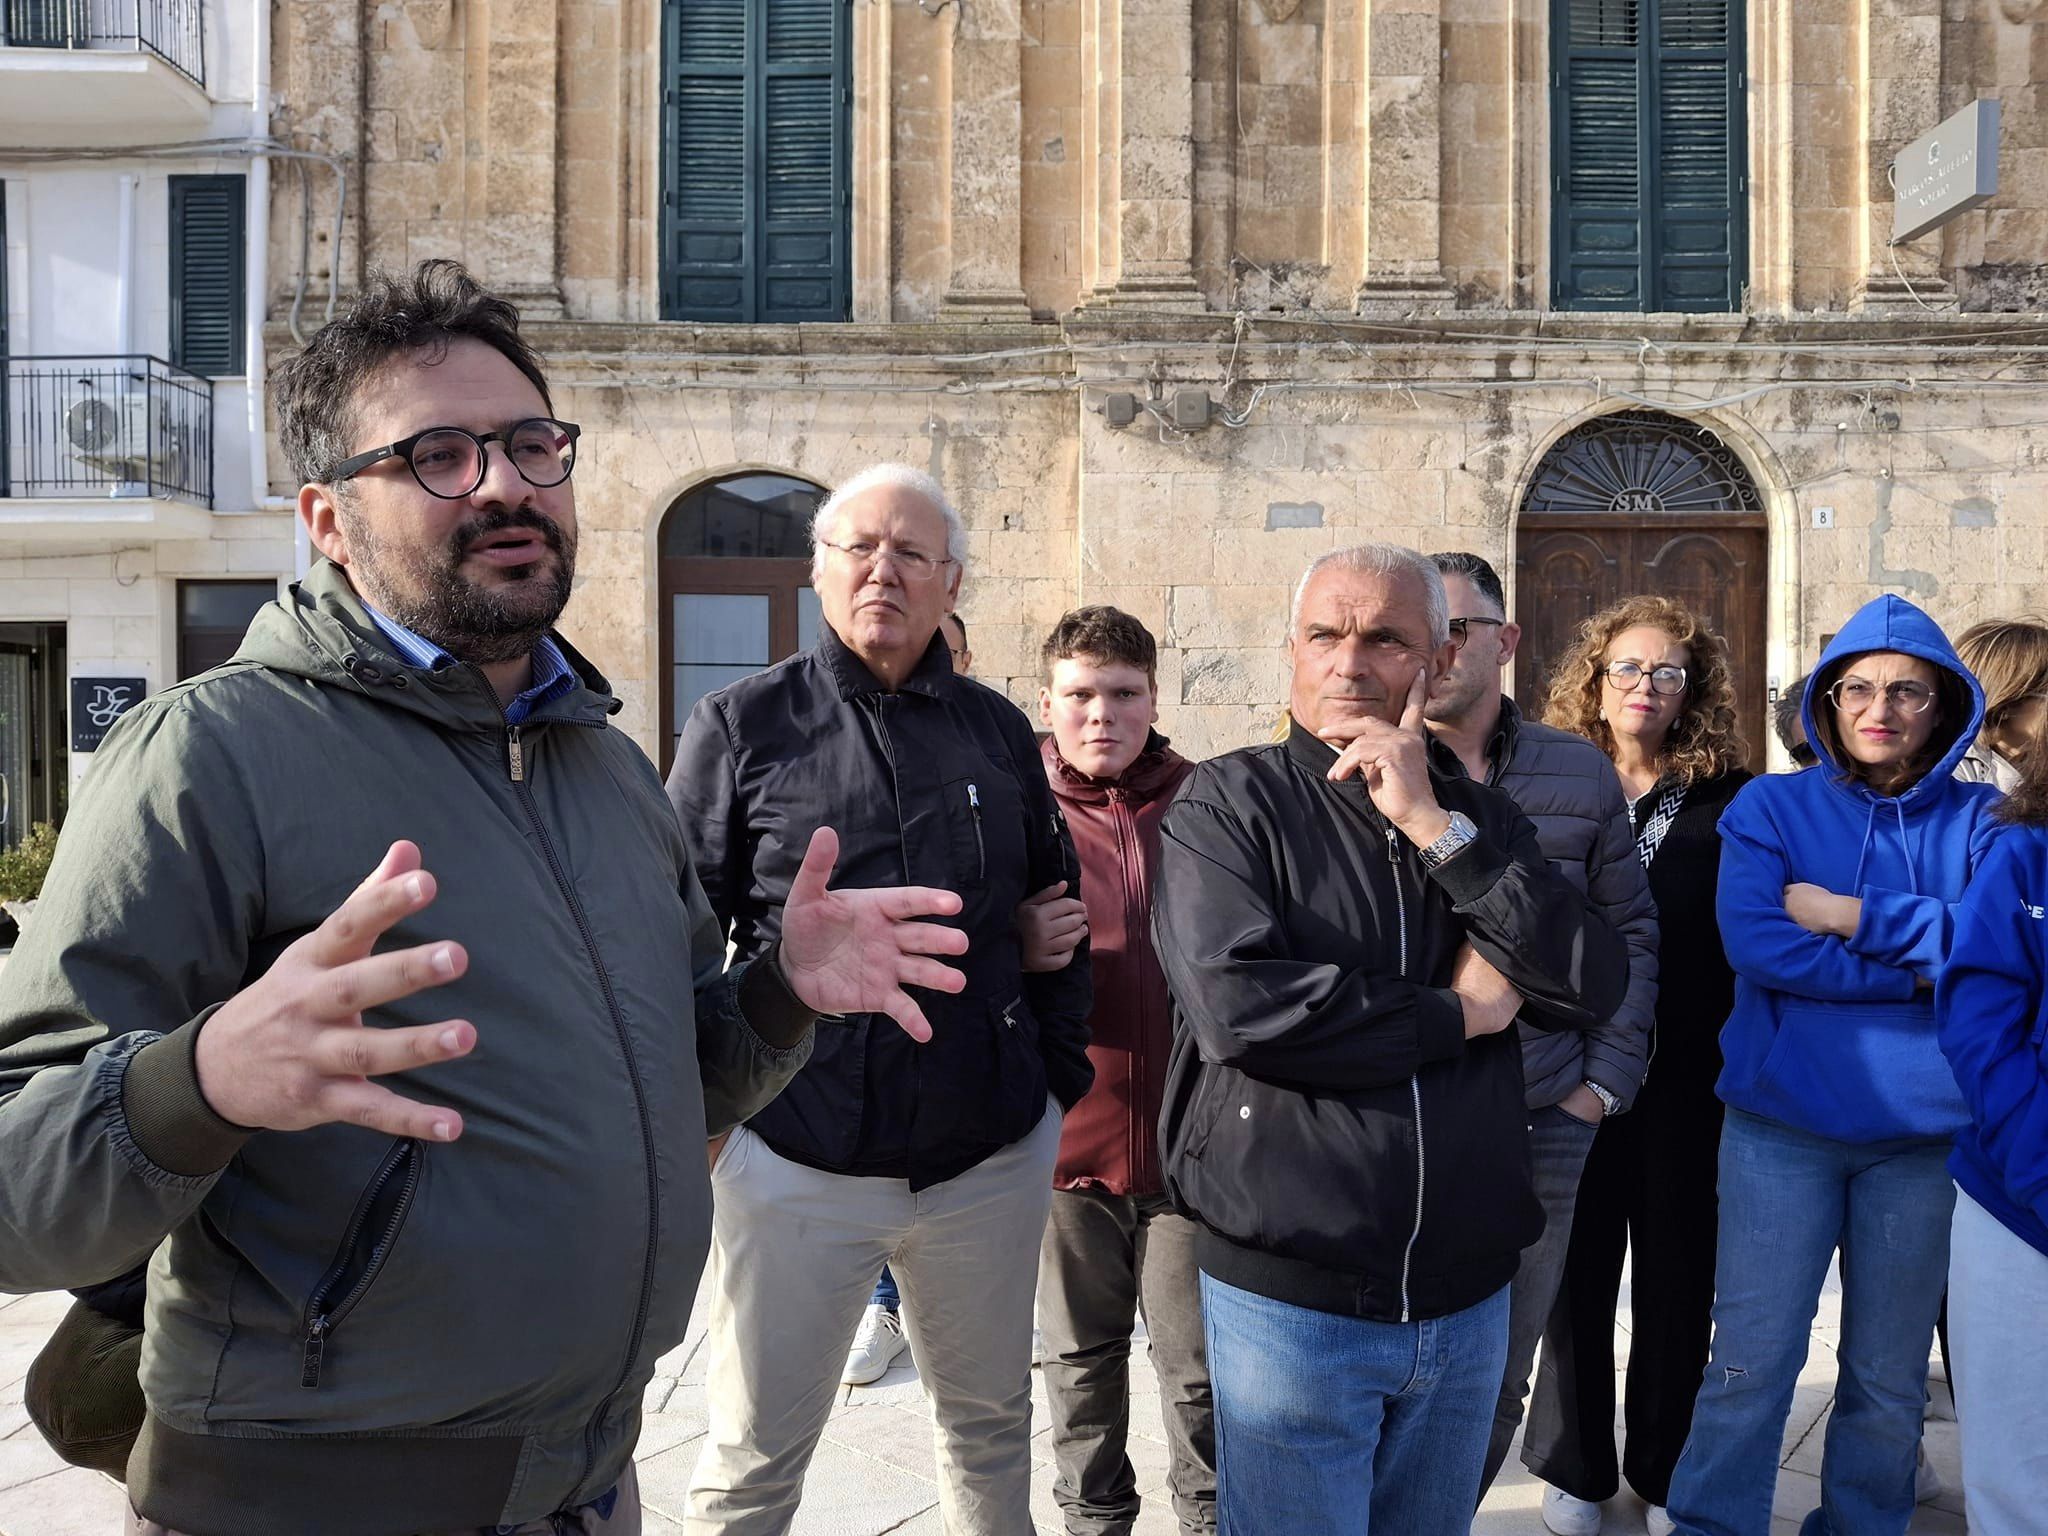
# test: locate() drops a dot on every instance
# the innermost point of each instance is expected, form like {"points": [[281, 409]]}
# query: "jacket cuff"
{"points": [[168, 1117], [768, 1004], [1472, 871], [1439, 1024]]}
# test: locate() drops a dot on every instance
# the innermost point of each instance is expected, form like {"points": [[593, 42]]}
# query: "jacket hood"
{"points": [[1153, 772], [1891, 623], [320, 630]]}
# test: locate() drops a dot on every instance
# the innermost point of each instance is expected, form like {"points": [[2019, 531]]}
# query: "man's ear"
{"points": [[1045, 707], [323, 524], [1510, 637]]}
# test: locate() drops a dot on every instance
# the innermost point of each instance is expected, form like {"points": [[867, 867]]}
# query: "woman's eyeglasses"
{"points": [[1628, 676], [1853, 695]]}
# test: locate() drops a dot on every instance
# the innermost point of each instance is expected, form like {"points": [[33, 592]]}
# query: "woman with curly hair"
{"points": [[1837, 906], [1648, 682]]}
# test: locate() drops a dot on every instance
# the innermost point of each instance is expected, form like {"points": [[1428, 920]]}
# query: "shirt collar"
{"points": [[552, 674]]}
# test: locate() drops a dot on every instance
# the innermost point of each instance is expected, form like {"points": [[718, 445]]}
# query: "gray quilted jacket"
{"points": [[1569, 789]]}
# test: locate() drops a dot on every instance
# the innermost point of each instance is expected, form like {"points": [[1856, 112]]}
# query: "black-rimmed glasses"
{"points": [[1461, 629], [450, 462], [1628, 676]]}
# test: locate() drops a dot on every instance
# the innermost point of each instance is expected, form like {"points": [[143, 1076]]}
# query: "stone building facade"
{"points": [[1174, 294]]}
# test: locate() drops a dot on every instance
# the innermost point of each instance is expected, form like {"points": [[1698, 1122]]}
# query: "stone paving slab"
{"points": [[875, 1470]]}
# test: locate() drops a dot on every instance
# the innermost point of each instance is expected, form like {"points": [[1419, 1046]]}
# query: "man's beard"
{"points": [[424, 589]]}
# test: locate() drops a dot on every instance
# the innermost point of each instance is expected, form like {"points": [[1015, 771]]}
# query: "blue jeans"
{"points": [[886, 1294], [1328, 1424], [1788, 1199]]}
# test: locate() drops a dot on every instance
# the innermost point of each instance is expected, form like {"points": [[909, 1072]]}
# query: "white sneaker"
{"points": [[875, 1347], [1927, 1483], [1564, 1515], [1658, 1522]]}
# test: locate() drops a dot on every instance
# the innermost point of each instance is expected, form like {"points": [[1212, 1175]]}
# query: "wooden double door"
{"points": [[1570, 565]]}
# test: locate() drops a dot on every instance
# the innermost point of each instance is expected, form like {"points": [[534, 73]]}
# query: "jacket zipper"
{"points": [[1414, 1079], [515, 759], [1127, 853], [321, 1320], [980, 848]]}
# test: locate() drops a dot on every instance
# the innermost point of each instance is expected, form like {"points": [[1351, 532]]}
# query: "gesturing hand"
{"points": [[1394, 760], [291, 1051], [1050, 927], [855, 951]]}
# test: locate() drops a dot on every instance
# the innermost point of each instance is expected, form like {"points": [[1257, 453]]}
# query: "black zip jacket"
{"points": [[1344, 1146], [938, 784]]}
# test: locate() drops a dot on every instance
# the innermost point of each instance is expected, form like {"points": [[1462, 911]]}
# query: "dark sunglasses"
{"points": [[450, 462], [1804, 755]]}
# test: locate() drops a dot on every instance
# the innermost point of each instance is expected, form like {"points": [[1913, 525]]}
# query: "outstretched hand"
{"points": [[855, 951], [1393, 760], [290, 1050]]}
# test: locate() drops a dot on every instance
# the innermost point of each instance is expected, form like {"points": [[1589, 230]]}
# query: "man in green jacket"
{"points": [[416, 1159]]}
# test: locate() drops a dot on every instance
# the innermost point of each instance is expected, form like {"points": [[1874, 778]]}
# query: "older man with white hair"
{"points": [[1348, 926], [933, 1156]]}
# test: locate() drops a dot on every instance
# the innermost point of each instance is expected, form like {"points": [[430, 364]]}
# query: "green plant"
{"points": [[23, 867]]}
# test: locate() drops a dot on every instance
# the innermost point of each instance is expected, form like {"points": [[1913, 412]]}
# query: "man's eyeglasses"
{"points": [[450, 462], [1461, 630], [1628, 675], [1804, 756], [911, 564], [1853, 695]]}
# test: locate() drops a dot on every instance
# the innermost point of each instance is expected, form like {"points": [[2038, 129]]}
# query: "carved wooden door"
{"points": [[1643, 503]]}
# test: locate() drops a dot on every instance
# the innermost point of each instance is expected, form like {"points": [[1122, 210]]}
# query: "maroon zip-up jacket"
{"points": [[1111, 1139]]}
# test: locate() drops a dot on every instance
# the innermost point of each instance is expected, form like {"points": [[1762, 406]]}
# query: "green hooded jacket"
{"points": [[348, 1333]]}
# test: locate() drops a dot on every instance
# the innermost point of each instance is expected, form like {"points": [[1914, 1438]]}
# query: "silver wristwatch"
{"points": [[1452, 841], [1609, 1103]]}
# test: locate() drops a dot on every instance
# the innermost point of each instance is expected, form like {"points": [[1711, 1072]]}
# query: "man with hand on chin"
{"points": [[1349, 926], [418, 1155]]}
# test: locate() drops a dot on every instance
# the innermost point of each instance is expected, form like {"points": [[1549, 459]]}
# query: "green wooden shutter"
{"points": [[1597, 130], [1649, 181], [755, 223], [208, 274], [1700, 230]]}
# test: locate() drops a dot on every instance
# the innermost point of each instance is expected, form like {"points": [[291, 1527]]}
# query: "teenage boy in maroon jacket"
{"points": [[1112, 1244]]}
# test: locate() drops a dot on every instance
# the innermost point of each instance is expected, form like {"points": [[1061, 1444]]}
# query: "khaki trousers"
{"points": [[795, 1254], [624, 1519]]}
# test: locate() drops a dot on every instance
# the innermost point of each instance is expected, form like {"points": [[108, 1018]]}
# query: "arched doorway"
{"points": [[735, 586], [1642, 501]]}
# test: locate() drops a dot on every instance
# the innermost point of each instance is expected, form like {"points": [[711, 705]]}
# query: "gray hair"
{"points": [[1382, 560], [899, 477]]}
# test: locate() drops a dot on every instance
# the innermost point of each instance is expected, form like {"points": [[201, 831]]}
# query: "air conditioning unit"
{"points": [[109, 435]]}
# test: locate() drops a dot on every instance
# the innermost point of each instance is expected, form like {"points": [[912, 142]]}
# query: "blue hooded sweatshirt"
{"points": [[1836, 1036], [1992, 1002]]}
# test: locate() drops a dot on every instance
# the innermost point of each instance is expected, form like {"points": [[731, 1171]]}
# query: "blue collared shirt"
{"points": [[552, 674]]}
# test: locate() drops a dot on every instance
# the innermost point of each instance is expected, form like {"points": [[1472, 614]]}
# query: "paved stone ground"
{"points": [[874, 1472]]}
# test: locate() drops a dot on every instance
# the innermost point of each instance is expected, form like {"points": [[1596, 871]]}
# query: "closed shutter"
{"points": [[1649, 180], [1701, 175], [208, 282], [755, 217]]}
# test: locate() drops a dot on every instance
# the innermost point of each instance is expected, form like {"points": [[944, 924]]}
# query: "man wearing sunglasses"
{"points": [[1571, 1080], [374, 994]]}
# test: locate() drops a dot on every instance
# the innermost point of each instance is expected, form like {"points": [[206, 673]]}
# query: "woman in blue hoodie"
{"points": [[1838, 893], [1992, 1003]]}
